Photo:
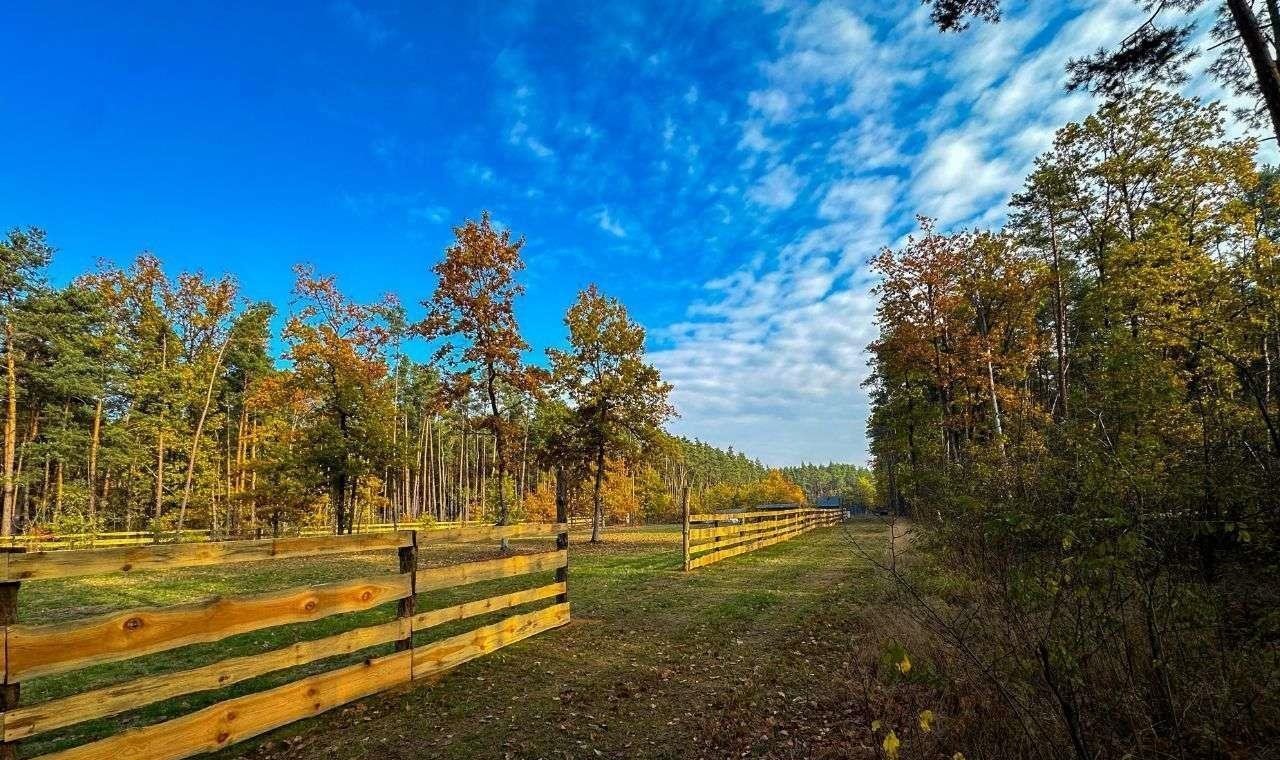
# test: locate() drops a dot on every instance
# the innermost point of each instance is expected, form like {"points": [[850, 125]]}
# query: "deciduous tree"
{"points": [[619, 401]]}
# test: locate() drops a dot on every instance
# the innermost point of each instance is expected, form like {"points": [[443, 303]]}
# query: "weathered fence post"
{"points": [[405, 609], [684, 534], [562, 538], [9, 692]]}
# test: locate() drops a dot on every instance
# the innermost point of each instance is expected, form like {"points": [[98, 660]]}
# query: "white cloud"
{"points": [[609, 224], [753, 138], [776, 105], [777, 189], [883, 117]]}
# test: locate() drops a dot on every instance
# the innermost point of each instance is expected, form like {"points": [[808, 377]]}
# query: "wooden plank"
{"points": [[702, 535], [733, 540], [722, 516], [38, 650], [465, 610], [68, 564], [741, 540], [712, 558], [238, 719], [473, 572], [490, 532], [455, 650], [112, 700]]}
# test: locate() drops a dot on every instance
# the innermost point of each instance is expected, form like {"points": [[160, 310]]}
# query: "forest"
{"points": [[1079, 412], [145, 400]]}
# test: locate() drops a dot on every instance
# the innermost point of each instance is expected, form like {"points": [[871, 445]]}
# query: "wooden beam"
{"points": [[489, 532], [235, 720], [39, 650], [722, 516], [80, 562], [131, 695], [465, 610], [717, 556], [744, 539], [701, 535], [451, 652], [433, 578]]}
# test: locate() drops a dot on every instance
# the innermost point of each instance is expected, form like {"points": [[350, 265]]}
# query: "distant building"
{"points": [[850, 506]]}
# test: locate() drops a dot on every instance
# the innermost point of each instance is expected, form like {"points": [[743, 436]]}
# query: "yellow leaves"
{"points": [[875, 726], [904, 665], [958, 756], [926, 721], [891, 745], [773, 488]]}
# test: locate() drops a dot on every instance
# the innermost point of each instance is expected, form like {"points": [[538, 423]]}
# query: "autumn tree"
{"points": [[1079, 413], [336, 347], [619, 401], [474, 302], [204, 311]]}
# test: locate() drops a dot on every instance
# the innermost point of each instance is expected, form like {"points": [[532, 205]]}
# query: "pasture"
{"points": [[655, 662]]}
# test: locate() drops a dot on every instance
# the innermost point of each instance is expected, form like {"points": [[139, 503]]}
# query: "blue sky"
{"points": [[726, 169]]}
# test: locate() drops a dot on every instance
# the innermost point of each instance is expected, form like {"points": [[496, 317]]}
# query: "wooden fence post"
{"points": [[406, 607], [684, 535], [9, 692], [562, 538]]}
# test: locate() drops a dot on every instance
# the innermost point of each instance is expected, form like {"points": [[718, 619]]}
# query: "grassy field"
{"points": [[737, 657]]}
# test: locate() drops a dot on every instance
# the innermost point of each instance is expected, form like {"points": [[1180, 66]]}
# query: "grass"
{"points": [[656, 662]]}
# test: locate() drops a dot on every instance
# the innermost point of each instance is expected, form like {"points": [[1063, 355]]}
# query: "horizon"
{"points": [[725, 172]]}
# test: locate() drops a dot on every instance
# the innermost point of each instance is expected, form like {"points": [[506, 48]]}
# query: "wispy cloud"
{"points": [[609, 224], [739, 167], [778, 188]]}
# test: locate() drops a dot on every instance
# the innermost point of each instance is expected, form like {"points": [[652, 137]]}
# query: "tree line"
{"points": [[848, 482], [1081, 412], [137, 399]]}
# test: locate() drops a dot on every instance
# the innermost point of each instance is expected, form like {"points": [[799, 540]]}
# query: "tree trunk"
{"points": [[195, 438], [524, 466], [253, 477], [597, 503], [93, 464], [1264, 66], [1059, 316], [159, 472], [10, 432], [338, 494]]}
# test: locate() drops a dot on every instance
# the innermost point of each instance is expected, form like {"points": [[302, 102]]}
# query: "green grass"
{"points": [[652, 655]]}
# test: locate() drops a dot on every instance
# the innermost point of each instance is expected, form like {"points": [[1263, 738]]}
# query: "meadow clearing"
{"points": [[737, 657]]}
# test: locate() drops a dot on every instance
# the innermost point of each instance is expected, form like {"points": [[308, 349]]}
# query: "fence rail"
{"points": [[34, 651], [712, 537], [109, 539]]}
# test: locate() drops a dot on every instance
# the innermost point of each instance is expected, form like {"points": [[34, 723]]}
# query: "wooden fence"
{"points": [[709, 538], [34, 542], [33, 651], [46, 541]]}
